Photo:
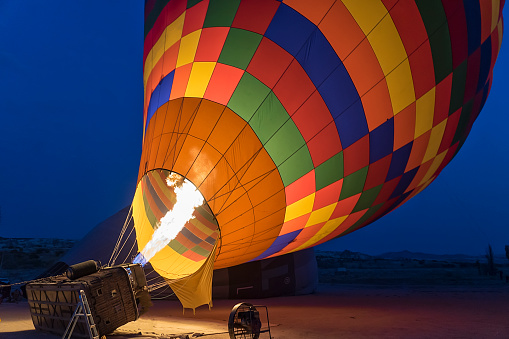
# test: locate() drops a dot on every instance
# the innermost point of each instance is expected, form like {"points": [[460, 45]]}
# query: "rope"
{"points": [[29, 281], [119, 239]]}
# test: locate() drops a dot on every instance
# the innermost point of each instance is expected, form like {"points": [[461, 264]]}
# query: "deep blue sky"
{"points": [[71, 97]]}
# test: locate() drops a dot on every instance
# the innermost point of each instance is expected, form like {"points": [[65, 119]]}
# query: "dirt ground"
{"points": [[334, 311]]}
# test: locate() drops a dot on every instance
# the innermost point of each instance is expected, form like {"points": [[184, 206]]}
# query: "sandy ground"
{"points": [[334, 311]]}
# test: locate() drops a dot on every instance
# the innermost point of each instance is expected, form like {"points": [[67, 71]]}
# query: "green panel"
{"points": [[177, 246], [435, 21], [367, 198], [354, 183], [330, 171], [296, 166], [440, 43], [191, 3], [286, 141], [221, 13], [459, 79], [239, 48], [268, 118], [150, 215], [201, 251], [461, 131], [248, 96], [154, 13]]}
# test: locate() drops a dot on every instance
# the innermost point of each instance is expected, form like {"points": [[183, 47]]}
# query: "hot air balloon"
{"points": [[300, 121]]}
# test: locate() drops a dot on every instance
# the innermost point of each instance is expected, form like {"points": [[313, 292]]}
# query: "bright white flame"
{"points": [[188, 198]]}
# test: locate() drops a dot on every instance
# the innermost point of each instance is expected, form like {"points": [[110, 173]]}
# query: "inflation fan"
{"points": [[245, 323]]}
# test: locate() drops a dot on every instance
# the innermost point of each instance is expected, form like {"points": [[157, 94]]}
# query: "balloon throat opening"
{"points": [[188, 198]]}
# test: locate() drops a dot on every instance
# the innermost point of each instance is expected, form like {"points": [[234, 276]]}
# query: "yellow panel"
{"points": [[327, 229], [435, 140], [170, 36], [301, 207], [387, 45], [321, 215], [495, 12], [367, 13], [434, 166], [199, 79], [424, 111], [188, 46], [401, 87]]}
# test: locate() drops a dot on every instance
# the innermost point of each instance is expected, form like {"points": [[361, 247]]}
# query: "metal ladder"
{"points": [[82, 310]]}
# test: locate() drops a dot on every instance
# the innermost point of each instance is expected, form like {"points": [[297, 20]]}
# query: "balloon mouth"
{"points": [[175, 228]]}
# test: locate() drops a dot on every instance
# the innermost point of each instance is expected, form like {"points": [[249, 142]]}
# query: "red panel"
{"points": [[211, 43], [255, 15], [195, 16], [404, 127], [386, 191], [450, 130], [328, 195], [457, 22], [294, 87], [269, 62], [222, 84], [423, 72], [301, 188], [377, 172], [473, 67], [345, 206], [356, 156], [325, 145], [408, 21], [418, 151], [312, 116], [442, 100], [169, 13]]}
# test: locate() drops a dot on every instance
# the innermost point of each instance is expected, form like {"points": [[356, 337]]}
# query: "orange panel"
{"points": [[338, 21], [377, 105], [421, 173], [295, 224], [404, 127], [169, 59], [203, 165], [301, 188], [418, 150], [180, 81], [364, 68], [226, 131], [186, 156], [206, 118], [314, 11], [268, 186], [345, 206]]}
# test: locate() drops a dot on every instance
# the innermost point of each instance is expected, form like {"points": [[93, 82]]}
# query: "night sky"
{"points": [[71, 107]]}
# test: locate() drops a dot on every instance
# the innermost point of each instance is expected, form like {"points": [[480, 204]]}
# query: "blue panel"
{"points": [[281, 242], [404, 183], [381, 141], [473, 16], [160, 96], [351, 124], [289, 29], [484, 70], [318, 58], [399, 161]]}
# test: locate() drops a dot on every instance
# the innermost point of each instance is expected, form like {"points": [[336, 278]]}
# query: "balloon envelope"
{"points": [[303, 121]]}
